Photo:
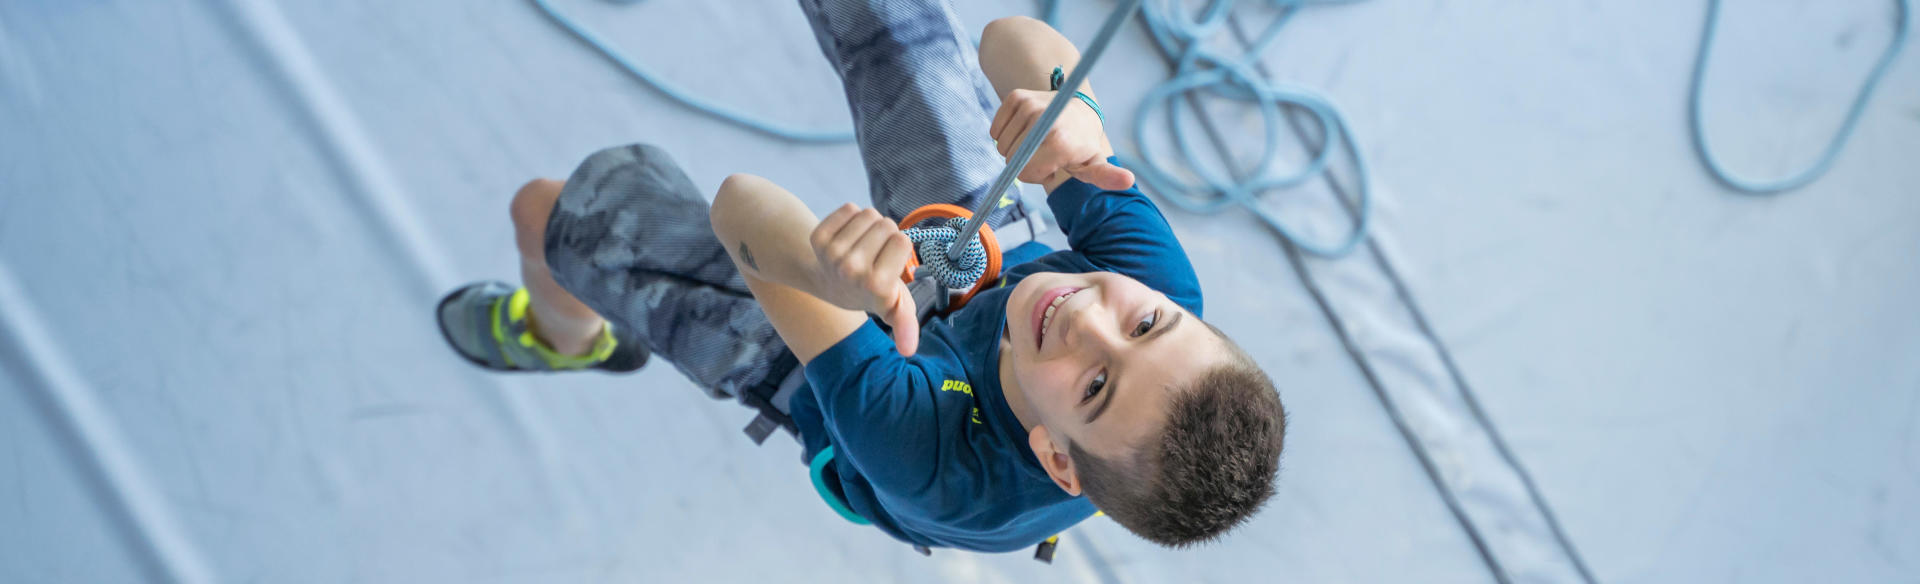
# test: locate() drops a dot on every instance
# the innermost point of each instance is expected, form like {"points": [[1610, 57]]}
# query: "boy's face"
{"points": [[1098, 371]]}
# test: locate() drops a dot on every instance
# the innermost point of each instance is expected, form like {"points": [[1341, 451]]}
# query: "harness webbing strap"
{"points": [[770, 398]]}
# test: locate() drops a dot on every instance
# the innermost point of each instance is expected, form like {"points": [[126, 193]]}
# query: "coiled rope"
{"points": [[1201, 70], [1819, 167]]}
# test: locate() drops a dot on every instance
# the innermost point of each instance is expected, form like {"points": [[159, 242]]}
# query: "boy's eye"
{"points": [[1147, 324], [1093, 388]]}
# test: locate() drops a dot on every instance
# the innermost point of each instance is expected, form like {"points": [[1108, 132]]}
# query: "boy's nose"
{"points": [[1092, 327]]}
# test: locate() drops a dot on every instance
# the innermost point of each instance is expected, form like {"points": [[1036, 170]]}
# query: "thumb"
{"points": [[1104, 175], [905, 323]]}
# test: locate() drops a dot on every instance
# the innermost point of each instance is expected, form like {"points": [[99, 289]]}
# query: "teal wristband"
{"points": [[1058, 77]]}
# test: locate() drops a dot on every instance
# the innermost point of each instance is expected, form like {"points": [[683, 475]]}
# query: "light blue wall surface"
{"points": [[231, 219]]}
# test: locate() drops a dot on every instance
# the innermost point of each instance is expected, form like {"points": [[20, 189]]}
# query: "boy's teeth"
{"points": [[1046, 320]]}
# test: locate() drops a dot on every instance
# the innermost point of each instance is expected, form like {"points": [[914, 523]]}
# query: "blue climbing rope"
{"points": [[686, 98], [1200, 69], [1798, 179]]}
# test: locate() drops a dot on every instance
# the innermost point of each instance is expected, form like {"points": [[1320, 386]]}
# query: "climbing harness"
{"points": [[1797, 179], [771, 398]]}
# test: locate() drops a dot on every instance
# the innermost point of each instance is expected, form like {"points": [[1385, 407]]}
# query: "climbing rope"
{"points": [[1201, 70], [931, 243], [1797, 179], [686, 98]]}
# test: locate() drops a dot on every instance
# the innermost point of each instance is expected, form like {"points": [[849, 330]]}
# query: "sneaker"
{"points": [[486, 322]]}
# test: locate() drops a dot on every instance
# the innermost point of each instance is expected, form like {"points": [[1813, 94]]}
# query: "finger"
{"points": [[842, 242], [1046, 161], [857, 227], [1114, 178], [866, 250], [892, 262], [1005, 113], [1002, 140], [1022, 118], [824, 232], [1100, 173], [906, 328], [1015, 132]]}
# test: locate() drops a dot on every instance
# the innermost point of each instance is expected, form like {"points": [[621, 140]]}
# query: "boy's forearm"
{"points": [[764, 229], [1018, 56], [1018, 52]]}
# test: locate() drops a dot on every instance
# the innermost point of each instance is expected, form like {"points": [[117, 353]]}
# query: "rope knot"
{"points": [[932, 242]]}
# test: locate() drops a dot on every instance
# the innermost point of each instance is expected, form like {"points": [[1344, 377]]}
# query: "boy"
{"points": [[1085, 371]]}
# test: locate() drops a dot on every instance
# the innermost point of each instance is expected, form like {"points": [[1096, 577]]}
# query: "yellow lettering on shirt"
{"points": [[959, 386], [956, 385]]}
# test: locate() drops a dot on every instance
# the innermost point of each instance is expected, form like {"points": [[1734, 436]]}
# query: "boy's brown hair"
{"points": [[1212, 467]]}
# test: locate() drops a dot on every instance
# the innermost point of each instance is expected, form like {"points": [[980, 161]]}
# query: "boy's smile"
{"points": [[1044, 310]]}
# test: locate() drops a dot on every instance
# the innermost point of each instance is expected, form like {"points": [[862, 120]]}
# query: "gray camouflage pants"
{"points": [[629, 235]]}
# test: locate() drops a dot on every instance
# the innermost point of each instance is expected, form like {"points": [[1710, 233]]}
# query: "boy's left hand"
{"points": [[862, 256], [1076, 144]]}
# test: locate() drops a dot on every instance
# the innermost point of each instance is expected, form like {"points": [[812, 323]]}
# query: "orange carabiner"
{"points": [[942, 210]]}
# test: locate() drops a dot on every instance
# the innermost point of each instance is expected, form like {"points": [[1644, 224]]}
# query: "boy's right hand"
{"points": [[862, 256], [1076, 144]]}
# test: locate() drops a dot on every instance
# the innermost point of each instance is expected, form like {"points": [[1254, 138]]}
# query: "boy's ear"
{"points": [[1053, 457]]}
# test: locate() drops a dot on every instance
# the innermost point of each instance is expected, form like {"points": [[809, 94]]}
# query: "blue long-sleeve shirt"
{"points": [[925, 447]]}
